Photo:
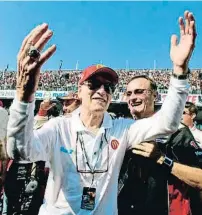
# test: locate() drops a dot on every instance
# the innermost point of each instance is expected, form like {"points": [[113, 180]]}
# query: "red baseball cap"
{"points": [[98, 68]]}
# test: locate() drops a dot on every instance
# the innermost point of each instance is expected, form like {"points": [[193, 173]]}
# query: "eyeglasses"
{"points": [[95, 85], [138, 92]]}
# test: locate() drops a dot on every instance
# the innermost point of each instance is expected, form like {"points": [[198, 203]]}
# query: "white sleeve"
{"points": [[165, 121], [25, 143]]}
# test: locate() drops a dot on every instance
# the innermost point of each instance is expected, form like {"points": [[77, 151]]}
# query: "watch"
{"points": [[180, 77], [166, 162], [183, 76]]}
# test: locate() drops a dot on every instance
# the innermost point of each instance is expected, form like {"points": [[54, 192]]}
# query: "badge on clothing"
{"points": [[192, 143], [114, 144], [88, 198]]}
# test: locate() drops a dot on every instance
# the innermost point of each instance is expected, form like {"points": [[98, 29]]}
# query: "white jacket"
{"points": [[57, 142]]}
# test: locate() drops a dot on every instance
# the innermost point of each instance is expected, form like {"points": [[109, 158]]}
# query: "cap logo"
{"points": [[98, 66]]}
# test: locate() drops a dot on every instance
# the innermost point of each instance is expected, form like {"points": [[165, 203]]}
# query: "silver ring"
{"points": [[34, 53]]}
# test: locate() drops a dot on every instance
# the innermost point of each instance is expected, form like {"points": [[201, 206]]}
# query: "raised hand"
{"points": [[46, 104], [180, 53], [29, 61]]}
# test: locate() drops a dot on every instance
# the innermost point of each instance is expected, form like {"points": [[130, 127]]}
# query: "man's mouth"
{"points": [[99, 99], [135, 104]]}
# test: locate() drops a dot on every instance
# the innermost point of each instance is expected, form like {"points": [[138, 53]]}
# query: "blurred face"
{"points": [[187, 117], [140, 98], [96, 93]]}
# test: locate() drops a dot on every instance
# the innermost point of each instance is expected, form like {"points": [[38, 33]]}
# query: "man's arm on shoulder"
{"points": [[22, 141]]}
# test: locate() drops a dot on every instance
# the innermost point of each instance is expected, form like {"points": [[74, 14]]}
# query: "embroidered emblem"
{"points": [[192, 143], [114, 144]]}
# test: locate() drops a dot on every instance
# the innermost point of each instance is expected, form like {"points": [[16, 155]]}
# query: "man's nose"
{"points": [[101, 90], [133, 96]]}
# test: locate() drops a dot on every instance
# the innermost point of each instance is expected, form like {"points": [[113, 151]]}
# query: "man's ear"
{"points": [[193, 116], [155, 96]]}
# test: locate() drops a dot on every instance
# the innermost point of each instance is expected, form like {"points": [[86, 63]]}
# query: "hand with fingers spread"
{"points": [[180, 53], [147, 149], [30, 61]]}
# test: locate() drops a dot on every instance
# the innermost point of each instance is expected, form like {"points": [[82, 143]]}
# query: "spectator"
{"points": [[151, 178], [70, 103], [67, 80], [188, 119]]}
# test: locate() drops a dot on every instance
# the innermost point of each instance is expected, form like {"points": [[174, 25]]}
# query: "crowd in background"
{"points": [[66, 80]]}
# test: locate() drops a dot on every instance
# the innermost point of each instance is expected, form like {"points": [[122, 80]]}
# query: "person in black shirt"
{"points": [[143, 179]]}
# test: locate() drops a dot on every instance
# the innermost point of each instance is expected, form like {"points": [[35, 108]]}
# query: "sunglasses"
{"points": [[185, 113], [95, 85], [138, 92]]}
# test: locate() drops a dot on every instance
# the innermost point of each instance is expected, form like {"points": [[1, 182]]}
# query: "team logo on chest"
{"points": [[114, 144], [192, 143]]}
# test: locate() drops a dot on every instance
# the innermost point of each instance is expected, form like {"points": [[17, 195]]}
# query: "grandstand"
{"points": [[55, 83], [66, 80]]}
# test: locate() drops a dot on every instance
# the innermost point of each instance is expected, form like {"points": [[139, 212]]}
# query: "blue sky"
{"points": [[91, 32]]}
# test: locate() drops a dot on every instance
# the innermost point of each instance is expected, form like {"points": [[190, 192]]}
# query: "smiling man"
{"points": [[86, 181], [179, 164], [145, 93]]}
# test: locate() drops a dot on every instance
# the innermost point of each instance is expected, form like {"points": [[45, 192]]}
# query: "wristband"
{"points": [[180, 77]]}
